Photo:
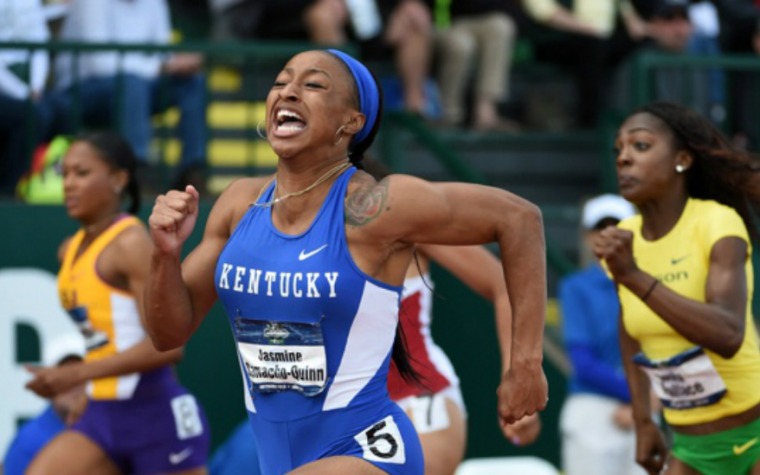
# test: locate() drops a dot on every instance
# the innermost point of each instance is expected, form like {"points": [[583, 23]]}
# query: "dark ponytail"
{"points": [[114, 150]]}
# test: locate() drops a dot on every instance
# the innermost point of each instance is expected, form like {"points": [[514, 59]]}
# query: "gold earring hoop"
{"points": [[258, 131], [339, 132]]}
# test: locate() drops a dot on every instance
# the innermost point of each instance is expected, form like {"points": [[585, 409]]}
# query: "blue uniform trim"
{"points": [[296, 282]]}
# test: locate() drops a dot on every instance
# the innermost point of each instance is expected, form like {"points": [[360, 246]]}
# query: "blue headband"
{"points": [[369, 95]]}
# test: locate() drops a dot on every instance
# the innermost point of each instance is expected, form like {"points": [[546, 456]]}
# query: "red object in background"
{"points": [[38, 158]]}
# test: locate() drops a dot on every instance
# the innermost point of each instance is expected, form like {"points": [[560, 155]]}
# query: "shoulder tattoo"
{"points": [[365, 204]]}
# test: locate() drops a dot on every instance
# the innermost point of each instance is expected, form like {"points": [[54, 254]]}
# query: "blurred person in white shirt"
{"points": [[25, 111], [126, 89]]}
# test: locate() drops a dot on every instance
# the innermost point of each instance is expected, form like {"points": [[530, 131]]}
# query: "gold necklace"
{"points": [[328, 174]]}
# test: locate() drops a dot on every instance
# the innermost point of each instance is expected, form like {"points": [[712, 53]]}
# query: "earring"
{"points": [[258, 131], [339, 132], [680, 168]]}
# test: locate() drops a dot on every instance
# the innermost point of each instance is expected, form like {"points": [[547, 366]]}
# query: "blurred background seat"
{"points": [[523, 465]]}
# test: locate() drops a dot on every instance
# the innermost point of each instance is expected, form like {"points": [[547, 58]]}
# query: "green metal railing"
{"points": [[452, 162], [650, 62], [270, 50], [643, 89]]}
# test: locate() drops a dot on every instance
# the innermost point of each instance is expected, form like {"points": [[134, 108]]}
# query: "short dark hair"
{"points": [[114, 150]]}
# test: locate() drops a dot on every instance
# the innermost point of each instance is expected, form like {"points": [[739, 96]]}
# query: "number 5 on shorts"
{"points": [[382, 442]]}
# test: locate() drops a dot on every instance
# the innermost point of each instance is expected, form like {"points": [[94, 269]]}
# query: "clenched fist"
{"points": [[615, 247], [173, 219]]}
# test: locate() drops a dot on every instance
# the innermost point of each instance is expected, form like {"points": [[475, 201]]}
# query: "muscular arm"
{"points": [[131, 251], [717, 324], [651, 450], [408, 210], [178, 297], [482, 272], [638, 381], [126, 259]]}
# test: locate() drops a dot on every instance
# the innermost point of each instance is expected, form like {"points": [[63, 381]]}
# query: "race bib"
{"points": [[428, 412], [382, 442], [280, 356], [685, 381]]}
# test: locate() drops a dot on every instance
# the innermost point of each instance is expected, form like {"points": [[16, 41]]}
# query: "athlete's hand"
{"points": [[523, 391], [651, 450], [74, 408], [615, 246], [49, 382], [173, 219], [523, 432]]}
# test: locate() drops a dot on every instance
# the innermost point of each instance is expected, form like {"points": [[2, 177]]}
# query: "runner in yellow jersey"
{"points": [[685, 280]]}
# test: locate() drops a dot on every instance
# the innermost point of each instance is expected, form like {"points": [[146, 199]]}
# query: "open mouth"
{"points": [[288, 122]]}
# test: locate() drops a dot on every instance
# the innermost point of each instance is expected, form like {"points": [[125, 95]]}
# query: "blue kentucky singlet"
{"points": [[314, 333]]}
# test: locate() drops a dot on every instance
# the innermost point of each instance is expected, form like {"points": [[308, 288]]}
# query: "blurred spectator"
{"points": [[320, 21], [400, 30], [587, 40], [403, 31], [63, 409], [125, 90], [481, 32], [596, 421], [740, 33], [682, 27], [705, 42], [24, 109], [668, 28]]}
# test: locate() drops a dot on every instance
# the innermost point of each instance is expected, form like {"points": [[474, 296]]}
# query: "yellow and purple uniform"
{"points": [[106, 315], [121, 408]]}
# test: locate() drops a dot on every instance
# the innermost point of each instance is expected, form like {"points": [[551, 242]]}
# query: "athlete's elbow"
{"points": [[174, 355], [730, 341], [731, 345], [528, 217], [167, 343], [164, 345], [164, 342]]}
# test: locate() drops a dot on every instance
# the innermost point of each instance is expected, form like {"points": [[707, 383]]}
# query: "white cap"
{"points": [[62, 347], [605, 206]]}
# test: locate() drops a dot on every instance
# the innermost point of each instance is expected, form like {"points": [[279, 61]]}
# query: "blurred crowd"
{"points": [[448, 61]]}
